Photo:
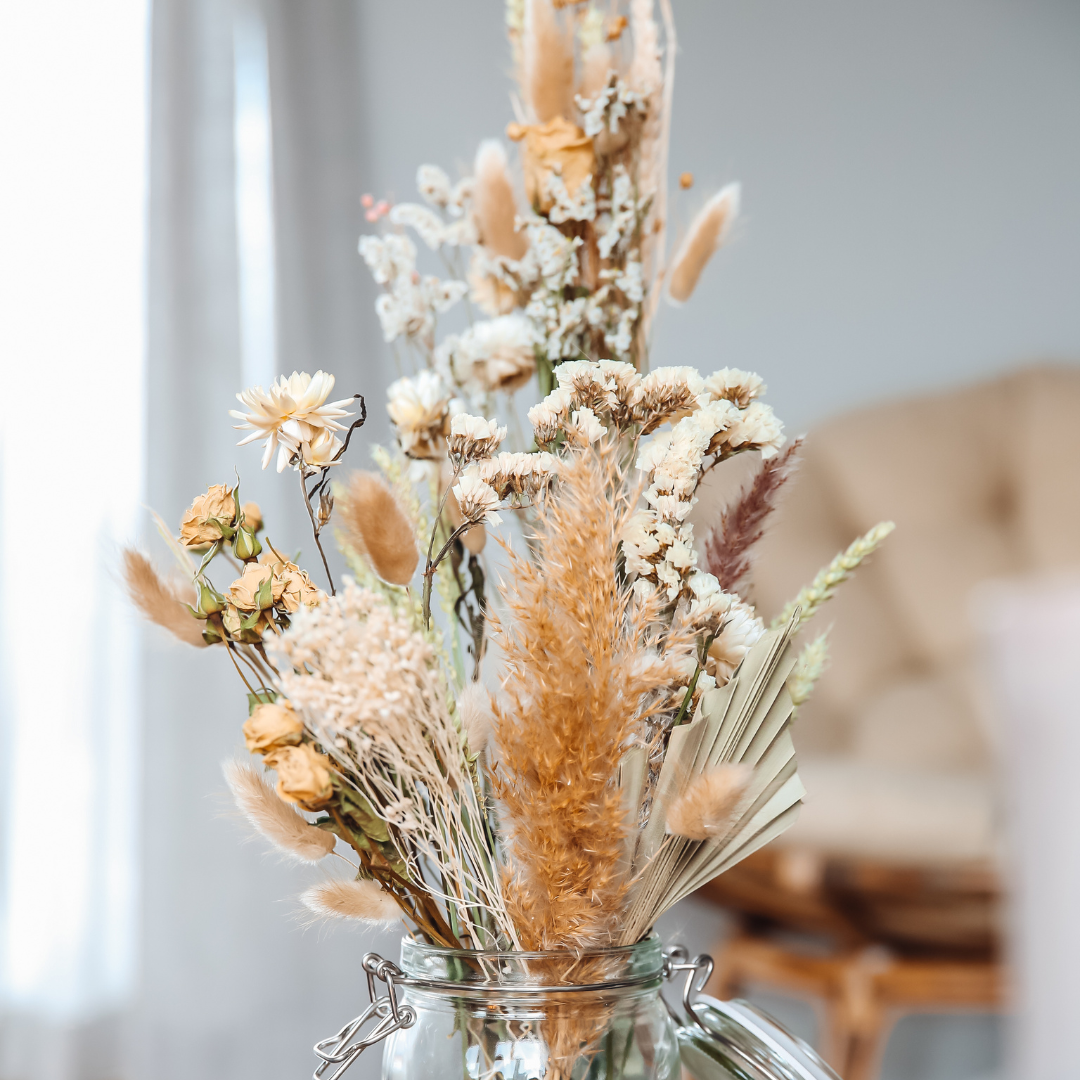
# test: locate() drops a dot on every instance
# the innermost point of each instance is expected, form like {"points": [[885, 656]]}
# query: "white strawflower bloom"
{"points": [[477, 500], [420, 410], [427, 224], [496, 354], [290, 414], [322, 450], [434, 185], [473, 438], [740, 387]]}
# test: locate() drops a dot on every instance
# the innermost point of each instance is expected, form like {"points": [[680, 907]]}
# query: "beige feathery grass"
{"points": [[493, 203], [547, 63], [275, 820], [575, 694], [831, 577], [159, 600], [366, 901], [379, 529], [707, 233], [705, 808]]}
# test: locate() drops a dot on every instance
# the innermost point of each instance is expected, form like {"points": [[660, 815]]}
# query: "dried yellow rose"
{"points": [[257, 588], [272, 726], [303, 776], [557, 146], [206, 520]]}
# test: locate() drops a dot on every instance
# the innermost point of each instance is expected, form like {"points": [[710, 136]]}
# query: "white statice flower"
{"points": [[442, 293], [477, 500], [473, 437], [461, 233], [290, 415], [620, 341], [495, 354], [580, 206], [584, 428], [548, 417], [740, 631], [460, 196], [621, 216], [423, 220], [664, 392], [591, 386], [518, 475], [740, 387], [606, 111], [551, 260], [388, 257], [433, 185], [420, 409], [709, 604], [756, 428]]}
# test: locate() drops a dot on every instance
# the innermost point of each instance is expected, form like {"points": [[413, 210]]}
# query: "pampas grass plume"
{"points": [[379, 529], [704, 809], [158, 599], [277, 821], [366, 901], [706, 234], [548, 63], [494, 206]]}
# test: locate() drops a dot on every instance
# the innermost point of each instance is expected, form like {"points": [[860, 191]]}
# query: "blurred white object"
{"points": [[1032, 652]]}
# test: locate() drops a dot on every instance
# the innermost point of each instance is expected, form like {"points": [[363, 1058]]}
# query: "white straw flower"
{"points": [[434, 185], [756, 428], [477, 500], [741, 630], [518, 474], [290, 414], [496, 354], [472, 437], [740, 387], [427, 224], [420, 408], [584, 428]]}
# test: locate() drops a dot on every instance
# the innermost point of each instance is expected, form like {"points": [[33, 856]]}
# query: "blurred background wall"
{"points": [[909, 175]]}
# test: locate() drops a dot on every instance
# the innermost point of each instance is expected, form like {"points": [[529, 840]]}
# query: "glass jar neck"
{"points": [[633, 966]]}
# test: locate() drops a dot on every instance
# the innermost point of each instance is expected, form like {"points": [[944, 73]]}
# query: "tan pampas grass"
{"points": [[707, 233], [159, 600], [277, 821], [576, 692], [705, 808], [366, 901], [493, 203], [378, 528], [547, 60]]}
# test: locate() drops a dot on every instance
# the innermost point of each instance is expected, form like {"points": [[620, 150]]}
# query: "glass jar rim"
{"points": [[646, 945]]}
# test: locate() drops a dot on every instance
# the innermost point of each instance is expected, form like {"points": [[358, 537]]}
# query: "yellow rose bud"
{"points": [[303, 776], [245, 544], [209, 518], [210, 600], [272, 726], [253, 518]]}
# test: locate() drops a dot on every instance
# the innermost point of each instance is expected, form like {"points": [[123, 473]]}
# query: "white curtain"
{"points": [[71, 458]]}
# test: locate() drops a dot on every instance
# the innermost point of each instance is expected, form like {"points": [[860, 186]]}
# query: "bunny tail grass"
{"points": [[158, 599], [378, 528], [277, 821], [706, 234], [366, 901], [548, 63], [494, 206], [706, 807]]}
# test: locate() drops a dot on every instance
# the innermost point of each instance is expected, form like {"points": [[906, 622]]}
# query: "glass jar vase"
{"points": [[457, 1014]]}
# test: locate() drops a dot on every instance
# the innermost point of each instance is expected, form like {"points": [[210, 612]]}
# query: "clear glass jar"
{"points": [[524, 1016], [453, 1014]]}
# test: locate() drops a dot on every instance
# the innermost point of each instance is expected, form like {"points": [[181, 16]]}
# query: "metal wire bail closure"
{"points": [[347, 1045]]}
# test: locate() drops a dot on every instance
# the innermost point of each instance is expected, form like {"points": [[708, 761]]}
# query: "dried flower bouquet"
{"points": [[634, 741]]}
